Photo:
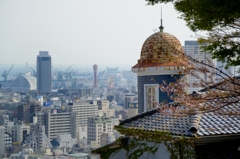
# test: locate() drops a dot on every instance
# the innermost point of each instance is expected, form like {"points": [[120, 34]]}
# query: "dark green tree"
{"points": [[219, 18]]}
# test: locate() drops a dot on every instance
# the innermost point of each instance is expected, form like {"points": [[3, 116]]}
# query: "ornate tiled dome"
{"points": [[160, 49]]}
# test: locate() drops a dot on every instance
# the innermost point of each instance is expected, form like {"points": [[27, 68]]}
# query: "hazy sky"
{"points": [[82, 32]]}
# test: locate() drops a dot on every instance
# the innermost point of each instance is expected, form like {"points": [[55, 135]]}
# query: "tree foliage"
{"points": [[221, 20], [220, 92]]}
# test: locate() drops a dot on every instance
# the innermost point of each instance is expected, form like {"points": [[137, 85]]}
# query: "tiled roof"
{"points": [[160, 49], [205, 124]]}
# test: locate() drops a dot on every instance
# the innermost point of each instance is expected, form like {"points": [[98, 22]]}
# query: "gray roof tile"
{"points": [[205, 124]]}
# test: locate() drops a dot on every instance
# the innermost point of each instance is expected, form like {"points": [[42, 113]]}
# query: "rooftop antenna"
{"points": [[161, 26]]}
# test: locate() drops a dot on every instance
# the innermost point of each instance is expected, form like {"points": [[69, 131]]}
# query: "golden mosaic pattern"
{"points": [[160, 49]]}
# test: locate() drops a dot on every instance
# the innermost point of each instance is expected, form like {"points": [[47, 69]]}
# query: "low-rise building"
{"points": [[132, 109], [107, 138], [19, 132], [104, 110], [99, 125], [65, 140]]}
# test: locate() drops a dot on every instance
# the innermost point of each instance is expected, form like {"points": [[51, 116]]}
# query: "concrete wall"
{"points": [[161, 153]]}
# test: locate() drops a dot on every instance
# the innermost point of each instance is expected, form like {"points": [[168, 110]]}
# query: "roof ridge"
{"points": [[194, 123], [150, 112]]}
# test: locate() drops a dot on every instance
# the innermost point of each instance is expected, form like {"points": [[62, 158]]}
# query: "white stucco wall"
{"points": [[162, 153]]}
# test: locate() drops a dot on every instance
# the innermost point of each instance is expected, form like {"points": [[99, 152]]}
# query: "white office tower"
{"points": [[55, 122], [81, 111], [44, 71], [193, 49]]}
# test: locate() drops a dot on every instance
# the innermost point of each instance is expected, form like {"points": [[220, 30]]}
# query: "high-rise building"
{"points": [[231, 71], [95, 84], [160, 60], [26, 111], [44, 71], [55, 122], [81, 111], [193, 49]]}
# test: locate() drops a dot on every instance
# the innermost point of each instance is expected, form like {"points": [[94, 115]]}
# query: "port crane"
{"points": [[6, 73], [34, 73], [72, 74], [61, 74]]}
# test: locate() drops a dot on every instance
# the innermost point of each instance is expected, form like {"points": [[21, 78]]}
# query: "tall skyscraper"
{"points": [[193, 49], [95, 84], [44, 71]]}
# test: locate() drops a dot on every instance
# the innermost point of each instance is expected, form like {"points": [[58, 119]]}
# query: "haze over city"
{"points": [[82, 33], [118, 79]]}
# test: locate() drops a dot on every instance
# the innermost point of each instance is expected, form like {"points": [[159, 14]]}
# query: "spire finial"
{"points": [[161, 26]]}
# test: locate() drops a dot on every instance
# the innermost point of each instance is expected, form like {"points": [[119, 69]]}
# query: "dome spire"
{"points": [[161, 26]]}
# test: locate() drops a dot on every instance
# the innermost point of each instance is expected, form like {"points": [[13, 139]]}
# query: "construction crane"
{"points": [[34, 73], [6, 73], [71, 76], [67, 69], [68, 74]]}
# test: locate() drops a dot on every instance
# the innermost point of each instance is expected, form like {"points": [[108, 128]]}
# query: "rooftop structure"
{"points": [[161, 59]]}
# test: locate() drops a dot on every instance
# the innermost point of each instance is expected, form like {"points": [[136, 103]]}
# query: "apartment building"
{"points": [[56, 122], [81, 111]]}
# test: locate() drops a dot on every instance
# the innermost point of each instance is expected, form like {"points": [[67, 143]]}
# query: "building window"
{"points": [[151, 96]]}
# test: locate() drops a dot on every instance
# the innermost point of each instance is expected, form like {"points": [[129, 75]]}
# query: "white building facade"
{"points": [[81, 111], [194, 50]]}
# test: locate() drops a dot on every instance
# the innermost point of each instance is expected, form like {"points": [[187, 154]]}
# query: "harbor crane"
{"points": [[68, 74], [61, 74], [34, 73], [71, 76], [6, 73]]}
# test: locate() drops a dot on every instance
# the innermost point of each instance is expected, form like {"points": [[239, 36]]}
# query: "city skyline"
{"points": [[82, 32]]}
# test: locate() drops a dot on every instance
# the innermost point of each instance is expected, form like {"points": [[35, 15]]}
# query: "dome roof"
{"points": [[160, 49], [24, 83]]}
